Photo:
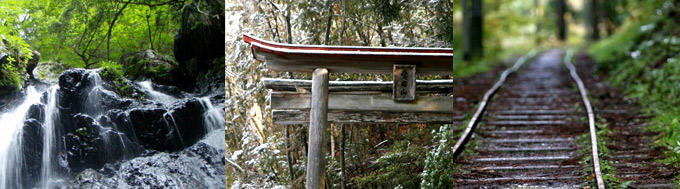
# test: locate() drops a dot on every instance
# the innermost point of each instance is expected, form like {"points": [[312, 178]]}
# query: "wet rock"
{"points": [[199, 166], [37, 112], [32, 150], [82, 144], [148, 65], [71, 82], [187, 118], [152, 131], [169, 130]]}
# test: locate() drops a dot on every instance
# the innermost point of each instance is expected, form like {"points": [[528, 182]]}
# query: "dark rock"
{"points": [[169, 130], [82, 144], [152, 131], [199, 166], [200, 41], [32, 63], [146, 65], [32, 150], [187, 117], [37, 112]]}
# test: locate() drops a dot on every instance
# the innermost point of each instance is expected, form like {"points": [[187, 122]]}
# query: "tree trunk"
{"points": [[342, 156], [290, 35], [593, 31], [108, 33], [290, 160], [561, 25], [342, 25], [476, 29], [472, 29], [329, 3], [537, 32], [466, 30]]}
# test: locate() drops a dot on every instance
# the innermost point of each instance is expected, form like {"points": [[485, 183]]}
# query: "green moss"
{"points": [[13, 72], [82, 131], [119, 84]]}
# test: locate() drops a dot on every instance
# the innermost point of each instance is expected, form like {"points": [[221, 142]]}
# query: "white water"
{"points": [[51, 115], [11, 124], [155, 95], [213, 117], [10, 138]]}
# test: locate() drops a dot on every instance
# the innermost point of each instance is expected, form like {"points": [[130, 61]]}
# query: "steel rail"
{"points": [[591, 117], [474, 121]]}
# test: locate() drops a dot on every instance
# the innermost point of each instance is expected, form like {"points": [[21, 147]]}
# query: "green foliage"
{"points": [[111, 67], [439, 164], [644, 60], [13, 72], [398, 168], [10, 77], [82, 33]]}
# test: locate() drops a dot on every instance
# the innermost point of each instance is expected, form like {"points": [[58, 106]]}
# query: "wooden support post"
{"points": [[315, 178]]}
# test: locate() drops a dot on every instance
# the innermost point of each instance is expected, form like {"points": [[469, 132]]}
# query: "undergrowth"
{"points": [[644, 60]]}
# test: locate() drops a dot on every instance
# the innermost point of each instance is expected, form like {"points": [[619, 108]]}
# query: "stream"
{"points": [[80, 132]]}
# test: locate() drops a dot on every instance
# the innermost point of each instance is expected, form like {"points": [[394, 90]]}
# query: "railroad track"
{"points": [[525, 131]]}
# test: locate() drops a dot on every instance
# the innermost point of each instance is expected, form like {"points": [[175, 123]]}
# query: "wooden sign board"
{"points": [[404, 88]]}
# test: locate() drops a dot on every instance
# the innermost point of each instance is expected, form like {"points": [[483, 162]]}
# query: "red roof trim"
{"points": [[279, 48]]}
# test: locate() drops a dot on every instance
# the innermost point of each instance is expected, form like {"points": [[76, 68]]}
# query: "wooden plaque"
{"points": [[404, 88]]}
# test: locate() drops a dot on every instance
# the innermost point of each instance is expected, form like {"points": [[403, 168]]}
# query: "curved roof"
{"points": [[349, 59]]}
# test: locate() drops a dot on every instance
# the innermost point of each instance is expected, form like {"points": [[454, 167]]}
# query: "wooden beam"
{"points": [[299, 85], [345, 59], [301, 117], [302, 101], [316, 172]]}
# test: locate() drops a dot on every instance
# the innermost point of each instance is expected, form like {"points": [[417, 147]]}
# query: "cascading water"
{"points": [[51, 115], [11, 124], [147, 86], [83, 124]]}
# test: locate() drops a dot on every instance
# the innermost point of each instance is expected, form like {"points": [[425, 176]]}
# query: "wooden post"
{"points": [[315, 178]]}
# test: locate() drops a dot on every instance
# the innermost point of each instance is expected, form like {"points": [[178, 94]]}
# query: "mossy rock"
{"points": [[148, 65], [120, 85], [49, 70], [14, 63]]}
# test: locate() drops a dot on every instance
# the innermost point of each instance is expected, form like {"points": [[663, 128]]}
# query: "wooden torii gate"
{"points": [[354, 102]]}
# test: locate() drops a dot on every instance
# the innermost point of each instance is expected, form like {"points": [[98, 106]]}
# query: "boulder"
{"points": [[37, 112], [148, 65], [49, 70], [32, 150], [169, 130], [187, 117], [151, 129], [82, 145]]}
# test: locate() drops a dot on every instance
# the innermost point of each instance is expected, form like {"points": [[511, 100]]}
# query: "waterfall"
{"points": [[107, 124], [11, 124], [51, 117], [213, 117], [163, 98]]}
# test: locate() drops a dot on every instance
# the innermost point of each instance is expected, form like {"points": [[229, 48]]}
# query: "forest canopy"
{"points": [[86, 33]]}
